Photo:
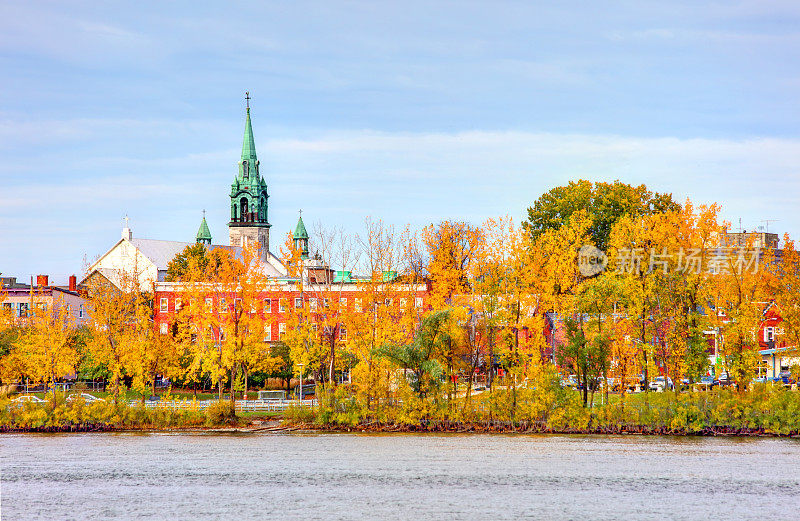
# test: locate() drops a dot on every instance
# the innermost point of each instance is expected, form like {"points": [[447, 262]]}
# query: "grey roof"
{"points": [[161, 253]]}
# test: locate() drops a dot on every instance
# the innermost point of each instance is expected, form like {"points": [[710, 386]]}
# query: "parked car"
{"points": [[705, 383], [660, 384], [88, 398], [724, 380], [570, 381], [27, 398]]}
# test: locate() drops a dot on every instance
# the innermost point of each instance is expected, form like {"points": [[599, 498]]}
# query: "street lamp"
{"points": [[301, 384]]}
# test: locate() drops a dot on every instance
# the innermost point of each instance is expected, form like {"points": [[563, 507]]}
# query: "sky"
{"points": [[410, 112]]}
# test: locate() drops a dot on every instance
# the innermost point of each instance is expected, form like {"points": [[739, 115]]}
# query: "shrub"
{"points": [[220, 413]]}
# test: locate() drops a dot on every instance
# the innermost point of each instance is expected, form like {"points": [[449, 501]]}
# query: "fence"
{"points": [[241, 405]]}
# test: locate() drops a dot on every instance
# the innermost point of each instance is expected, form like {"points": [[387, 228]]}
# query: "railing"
{"points": [[241, 405]]}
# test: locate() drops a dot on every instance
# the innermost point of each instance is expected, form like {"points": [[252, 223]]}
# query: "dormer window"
{"points": [[245, 169]]}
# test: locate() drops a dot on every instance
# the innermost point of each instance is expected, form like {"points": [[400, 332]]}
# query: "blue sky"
{"points": [[411, 112]]}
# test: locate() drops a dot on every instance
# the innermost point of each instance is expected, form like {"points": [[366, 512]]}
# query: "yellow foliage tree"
{"points": [[46, 350]]}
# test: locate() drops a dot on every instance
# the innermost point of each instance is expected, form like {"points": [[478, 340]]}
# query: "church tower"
{"points": [[300, 237], [249, 196], [203, 233]]}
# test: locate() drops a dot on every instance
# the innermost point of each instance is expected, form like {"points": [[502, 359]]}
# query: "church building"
{"points": [[143, 262]]}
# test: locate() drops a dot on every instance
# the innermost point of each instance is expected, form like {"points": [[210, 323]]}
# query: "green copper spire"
{"points": [[300, 230], [203, 234], [249, 144], [300, 236]]}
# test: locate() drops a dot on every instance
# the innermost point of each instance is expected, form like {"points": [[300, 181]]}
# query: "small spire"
{"points": [[126, 230], [203, 233], [300, 236]]}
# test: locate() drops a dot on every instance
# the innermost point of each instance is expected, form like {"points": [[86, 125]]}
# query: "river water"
{"points": [[406, 476]]}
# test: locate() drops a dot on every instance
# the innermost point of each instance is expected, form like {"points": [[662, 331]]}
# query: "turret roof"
{"points": [[203, 233], [300, 231]]}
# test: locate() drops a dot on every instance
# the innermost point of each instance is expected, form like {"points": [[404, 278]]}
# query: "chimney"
{"points": [[73, 283], [41, 280]]}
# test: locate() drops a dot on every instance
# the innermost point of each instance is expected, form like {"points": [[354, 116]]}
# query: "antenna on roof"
{"points": [[769, 221]]}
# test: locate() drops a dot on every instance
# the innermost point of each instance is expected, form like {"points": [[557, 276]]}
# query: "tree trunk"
{"points": [[233, 378], [333, 362]]}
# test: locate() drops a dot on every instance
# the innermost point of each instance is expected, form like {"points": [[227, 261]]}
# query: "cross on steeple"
{"points": [[126, 220], [301, 212], [247, 99]]}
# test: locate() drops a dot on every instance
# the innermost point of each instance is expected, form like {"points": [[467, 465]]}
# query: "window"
{"points": [[23, 309], [237, 304], [80, 310], [358, 305], [298, 303], [209, 305], [164, 328], [388, 302], [312, 304], [221, 334], [164, 305], [314, 327], [403, 303], [327, 303], [245, 169], [281, 329], [769, 334], [282, 306], [178, 304], [223, 305], [343, 303], [267, 332], [342, 333], [267, 305], [418, 302]]}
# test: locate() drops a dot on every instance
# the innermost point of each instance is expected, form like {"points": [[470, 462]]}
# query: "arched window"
{"points": [[243, 208], [245, 169]]}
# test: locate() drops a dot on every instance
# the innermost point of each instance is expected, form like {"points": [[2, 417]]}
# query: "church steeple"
{"points": [[249, 218], [249, 144], [203, 233], [300, 237]]}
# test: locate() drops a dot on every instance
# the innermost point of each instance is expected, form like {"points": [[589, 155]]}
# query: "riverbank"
{"points": [[274, 425], [527, 428], [760, 412]]}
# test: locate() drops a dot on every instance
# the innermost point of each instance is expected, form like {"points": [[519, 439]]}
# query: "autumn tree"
{"points": [[450, 247], [119, 320], [419, 356], [45, 349], [785, 287], [605, 204], [225, 312]]}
